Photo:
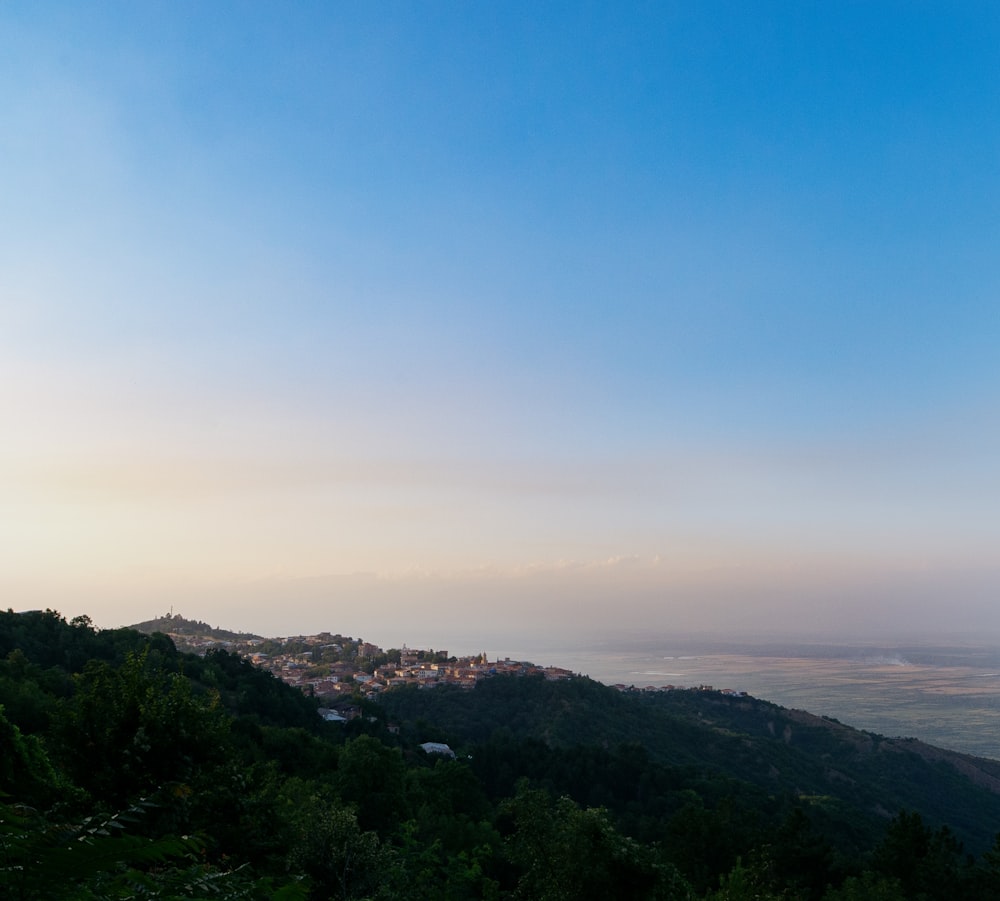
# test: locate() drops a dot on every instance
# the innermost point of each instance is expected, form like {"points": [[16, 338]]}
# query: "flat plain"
{"points": [[947, 695]]}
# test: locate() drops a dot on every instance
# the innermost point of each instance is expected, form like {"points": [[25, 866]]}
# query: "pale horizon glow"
{"points": [[481, 322]]}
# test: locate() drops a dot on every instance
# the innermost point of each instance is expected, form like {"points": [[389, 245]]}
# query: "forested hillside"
{"points": [[128, 769], [841, 773]]}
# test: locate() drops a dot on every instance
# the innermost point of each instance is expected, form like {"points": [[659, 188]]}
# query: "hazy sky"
{"points": [[467, 319]]}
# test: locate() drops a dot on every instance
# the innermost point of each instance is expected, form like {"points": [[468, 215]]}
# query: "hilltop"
{"points": [[192, 634], [331, 665]]}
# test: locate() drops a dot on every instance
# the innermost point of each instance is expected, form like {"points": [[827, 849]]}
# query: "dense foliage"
{"points": [[128, 769]]}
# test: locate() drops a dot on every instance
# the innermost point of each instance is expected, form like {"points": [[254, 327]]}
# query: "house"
{"points": [[437, 747]]}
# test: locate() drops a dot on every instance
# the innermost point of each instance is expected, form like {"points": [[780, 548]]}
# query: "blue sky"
{"points": [[440, 318]]}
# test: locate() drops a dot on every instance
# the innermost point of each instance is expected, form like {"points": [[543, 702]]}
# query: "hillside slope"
{"points": [[848, 773]]}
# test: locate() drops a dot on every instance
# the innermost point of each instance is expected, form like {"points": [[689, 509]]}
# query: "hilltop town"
{"points": [[332, 666], [337, 669]]}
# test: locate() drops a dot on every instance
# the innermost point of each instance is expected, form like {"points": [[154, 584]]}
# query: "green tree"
{"points": [[99, 859], [566, 853], [987, 872], [326, 844], [131, 729], [753, 882], [25, 771], [371, 777], [867, 887], [929, 865]]}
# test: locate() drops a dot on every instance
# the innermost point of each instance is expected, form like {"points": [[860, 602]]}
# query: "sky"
{"points": [[451, 322]]}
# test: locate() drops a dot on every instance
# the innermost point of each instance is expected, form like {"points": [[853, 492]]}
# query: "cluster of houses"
{"points": [[334, 668], [415, 667], [723, 691]]}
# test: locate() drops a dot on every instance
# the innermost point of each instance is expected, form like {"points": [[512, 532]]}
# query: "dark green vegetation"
{"points": [[130, 770]]}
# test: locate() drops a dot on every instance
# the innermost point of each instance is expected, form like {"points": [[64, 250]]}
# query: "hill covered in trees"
{"points": [[130, 769], [841, 773]]}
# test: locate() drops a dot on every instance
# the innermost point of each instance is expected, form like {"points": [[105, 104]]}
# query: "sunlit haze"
{"points": [[456, 322]]}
